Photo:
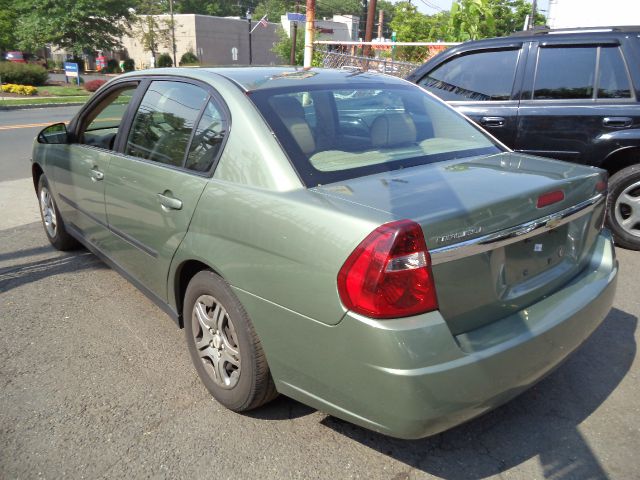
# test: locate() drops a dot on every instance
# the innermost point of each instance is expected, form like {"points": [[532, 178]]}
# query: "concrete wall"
{"points": [[225, 41], [213, 40]]}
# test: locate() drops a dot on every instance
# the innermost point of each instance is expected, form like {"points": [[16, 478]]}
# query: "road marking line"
{"points": [[26, 125]]}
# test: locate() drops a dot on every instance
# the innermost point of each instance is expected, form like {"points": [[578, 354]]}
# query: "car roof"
{"points": [[515, 40], [261, 78], [544, 34]]}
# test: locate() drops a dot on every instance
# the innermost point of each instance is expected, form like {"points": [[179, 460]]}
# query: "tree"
{"points": [[470, 20], [8, 18], [410, 26], [77, 26], [218, 8], [510, 15], [148, 28]]}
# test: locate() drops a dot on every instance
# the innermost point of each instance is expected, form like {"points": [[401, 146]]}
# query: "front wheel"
{"points": [[52, 220], [224, 346], [623, 213]]}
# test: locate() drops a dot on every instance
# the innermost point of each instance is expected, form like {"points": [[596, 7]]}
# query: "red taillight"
{"points": [[601, 186], [389, 274], [550, 198]]}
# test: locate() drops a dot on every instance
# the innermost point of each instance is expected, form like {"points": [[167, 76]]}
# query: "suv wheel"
{"points": [[623, 214]]}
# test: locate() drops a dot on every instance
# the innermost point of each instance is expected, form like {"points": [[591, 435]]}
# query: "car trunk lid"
{"points": [[493, 250]]}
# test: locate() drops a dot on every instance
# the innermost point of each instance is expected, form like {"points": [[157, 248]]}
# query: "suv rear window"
{"points": [[565, 73], [613, 81], [332, 134]]}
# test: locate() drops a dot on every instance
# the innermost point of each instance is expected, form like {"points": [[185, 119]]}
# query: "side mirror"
{"points": [[56, 134]]}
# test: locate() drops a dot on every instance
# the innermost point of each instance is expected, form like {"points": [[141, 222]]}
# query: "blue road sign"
{"points": [[296, 17], [71, 70]]}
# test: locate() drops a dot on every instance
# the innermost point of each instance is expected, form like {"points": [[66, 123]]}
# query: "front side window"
{"points": [[613, 81], [477, 76], [363, 130], [565, 73], [164, 121], [100, 126]]}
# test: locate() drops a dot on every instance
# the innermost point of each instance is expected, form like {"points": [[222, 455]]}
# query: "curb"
{"points": [[40, 105]]}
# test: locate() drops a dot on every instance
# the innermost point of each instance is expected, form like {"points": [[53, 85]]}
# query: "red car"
{"points": [[17, 57]]}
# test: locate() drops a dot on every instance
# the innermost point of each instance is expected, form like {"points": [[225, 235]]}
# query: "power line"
{"points": [[432, 5]]}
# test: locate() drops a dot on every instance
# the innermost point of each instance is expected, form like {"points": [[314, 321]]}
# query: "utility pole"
{"points": [[294, 37], [308, 34], [532, 18], [380, 22], [368, 34], [249, 20], [173, 33]]}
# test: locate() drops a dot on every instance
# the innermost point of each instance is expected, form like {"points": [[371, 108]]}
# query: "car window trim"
{"points": [[566, 42], [94, 102], [531, 69], [631, 98], [478, 50], [212, 94]]}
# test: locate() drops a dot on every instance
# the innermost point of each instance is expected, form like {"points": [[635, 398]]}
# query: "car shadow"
{"points": [[28, 272], [542, 422]]}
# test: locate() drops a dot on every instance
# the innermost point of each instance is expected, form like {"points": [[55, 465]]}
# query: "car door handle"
{"points": [[168, 202], [96, 175], [492, 121], [617, 122]]}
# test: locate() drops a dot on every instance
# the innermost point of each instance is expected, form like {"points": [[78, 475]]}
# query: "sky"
{"points": [[427, 6]]}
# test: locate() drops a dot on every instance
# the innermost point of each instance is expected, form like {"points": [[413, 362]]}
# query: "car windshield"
{"points": [[332, 134]]}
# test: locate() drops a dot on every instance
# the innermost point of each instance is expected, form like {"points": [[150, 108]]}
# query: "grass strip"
{"points": [[41, 101]]}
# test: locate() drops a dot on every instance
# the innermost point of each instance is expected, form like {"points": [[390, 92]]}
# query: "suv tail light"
{"points": [[389, 274]]}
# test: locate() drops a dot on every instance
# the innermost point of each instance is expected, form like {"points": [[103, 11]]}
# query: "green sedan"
{"points": [[343, 238]]}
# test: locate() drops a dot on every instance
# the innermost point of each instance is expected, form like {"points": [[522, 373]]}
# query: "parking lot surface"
{"points": [[95, 381]]}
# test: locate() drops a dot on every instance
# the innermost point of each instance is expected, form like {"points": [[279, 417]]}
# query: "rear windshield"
{"points": [[333, 134]]}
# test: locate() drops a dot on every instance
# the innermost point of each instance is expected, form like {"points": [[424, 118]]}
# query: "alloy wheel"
{"points": [[48, 212], [216, 341], [627, 209]]}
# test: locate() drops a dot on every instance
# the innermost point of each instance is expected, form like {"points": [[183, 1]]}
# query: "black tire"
{"points": [[53, 224], [626, 181], [249, 381]]}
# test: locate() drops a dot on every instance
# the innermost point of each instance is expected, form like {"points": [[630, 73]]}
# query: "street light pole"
{"points": [[249, 20]]}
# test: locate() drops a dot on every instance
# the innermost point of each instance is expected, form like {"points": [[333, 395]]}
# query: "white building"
{"points": [[593, 13], [341, 28]]}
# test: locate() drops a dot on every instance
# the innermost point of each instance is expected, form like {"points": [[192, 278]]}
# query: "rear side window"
{"points": [[565, 73], [477, 76], [613, 81], [207, 139], [164, 121]]}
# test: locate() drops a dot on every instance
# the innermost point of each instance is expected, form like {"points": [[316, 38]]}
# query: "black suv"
{"points": [[571, 95]]}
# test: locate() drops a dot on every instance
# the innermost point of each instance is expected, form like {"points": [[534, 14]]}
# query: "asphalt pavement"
{"points": [[95, 381]]}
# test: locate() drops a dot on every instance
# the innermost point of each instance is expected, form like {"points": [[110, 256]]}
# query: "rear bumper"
{"points": [[411, 378]]}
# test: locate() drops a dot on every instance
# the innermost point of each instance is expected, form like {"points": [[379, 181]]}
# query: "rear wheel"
{"points": [[223, 345], [52, 220], [623, 214]]}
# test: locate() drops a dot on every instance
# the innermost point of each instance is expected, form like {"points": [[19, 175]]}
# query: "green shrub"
{"points": [[189, 58], [164, 60], [129, 65], [23, 73], [113, 66]]}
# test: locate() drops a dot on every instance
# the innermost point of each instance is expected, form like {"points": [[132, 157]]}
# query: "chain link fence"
{"points": [[381, 65]]}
